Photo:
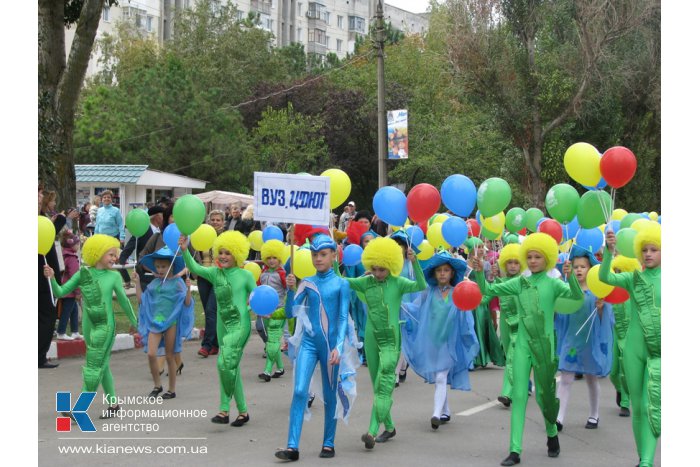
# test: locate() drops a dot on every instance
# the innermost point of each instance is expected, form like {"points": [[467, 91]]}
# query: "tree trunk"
{"points": [[61, 81]]}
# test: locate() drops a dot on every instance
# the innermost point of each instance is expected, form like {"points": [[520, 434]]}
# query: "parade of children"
{"points": [[491, 308]]}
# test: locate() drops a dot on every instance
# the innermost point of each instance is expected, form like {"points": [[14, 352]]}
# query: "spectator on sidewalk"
{"points": [[69, 304], [156, 215], [109, 220]]}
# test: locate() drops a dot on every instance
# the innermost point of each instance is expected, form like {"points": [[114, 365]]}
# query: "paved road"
{"points": [[478, 437]]}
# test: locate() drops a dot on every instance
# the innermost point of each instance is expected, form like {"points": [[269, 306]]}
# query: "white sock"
{"points": [[440, 399], [593, 394], [563, 392]]}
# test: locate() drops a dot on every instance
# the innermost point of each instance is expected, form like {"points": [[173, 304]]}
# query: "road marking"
{"points": [[487, 405]]}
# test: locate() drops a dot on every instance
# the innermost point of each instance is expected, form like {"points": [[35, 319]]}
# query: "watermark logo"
{"points": [[77, 412]]}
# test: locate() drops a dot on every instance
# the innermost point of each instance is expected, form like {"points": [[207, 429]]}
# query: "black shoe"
{"points": [[48, 365], [220, 419], [287, 454], [444, 418], [506, 401], [156, 390], [578, 376], [512, 459], [109, 413], [560, 426], [553, 446], [386, 436], [624, 412], [264, 355], [327, 452], [396, 384], [618, 398], [168, 395], [265, 377], [435, 423], [402, 376], [179, 369], [592, 423], [311, 400], [241, 420], [278, 373], [369, 440]]}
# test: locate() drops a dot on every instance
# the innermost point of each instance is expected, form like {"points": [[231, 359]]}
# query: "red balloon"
{"points": [[473, 228], [467, 295], [552, 228], [422, 202], [618, 295], [523, 231], [618, 166], [424, 227]]}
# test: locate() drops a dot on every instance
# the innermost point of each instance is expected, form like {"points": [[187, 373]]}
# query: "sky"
{"points": [[414, 6]]}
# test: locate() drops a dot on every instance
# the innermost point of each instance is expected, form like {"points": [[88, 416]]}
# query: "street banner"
{"points": [[397, 134], [297, 199]]}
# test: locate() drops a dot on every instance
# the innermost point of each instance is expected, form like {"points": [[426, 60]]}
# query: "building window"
{"points": [[340, 22], [299, 9], [299, 34], [268, 24], [356, 24], [149, 23], [315, 11], [105, 14], [318, 36], [339, 44], [327, 17], [239, 15]]}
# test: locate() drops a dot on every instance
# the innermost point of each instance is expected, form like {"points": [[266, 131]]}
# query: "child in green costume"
{"points": [[97, 282], [383, 289], [642, 352], [273, 274], [232, 287], [535, 347]]}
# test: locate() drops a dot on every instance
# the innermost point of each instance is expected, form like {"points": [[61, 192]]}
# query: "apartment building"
{"points": [[322, 26]]}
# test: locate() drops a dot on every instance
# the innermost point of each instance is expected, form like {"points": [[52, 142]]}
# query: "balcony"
{"points": [[261, 6]]}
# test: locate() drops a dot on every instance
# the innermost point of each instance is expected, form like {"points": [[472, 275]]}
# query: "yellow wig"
{"points": [[625, 264], [383, 252], [96, 246], [272, 248], [510, 251], [648, 235], [542, 243], [236, 243]]}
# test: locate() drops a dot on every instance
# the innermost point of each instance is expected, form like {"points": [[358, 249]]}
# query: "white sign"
{"points": [[297, 199]]}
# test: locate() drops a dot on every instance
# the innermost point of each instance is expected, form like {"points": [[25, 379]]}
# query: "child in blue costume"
{"points": [[166, 314], [438, 339], [585, 341], [320, 306]]}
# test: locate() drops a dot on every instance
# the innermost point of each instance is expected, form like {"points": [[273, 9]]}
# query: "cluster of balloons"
{"points": [[615, 167]]}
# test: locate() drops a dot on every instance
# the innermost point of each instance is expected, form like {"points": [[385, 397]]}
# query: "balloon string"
{"points": [[603, 209], [171, 264], [585, 322], [53, 300], [568, 252]]}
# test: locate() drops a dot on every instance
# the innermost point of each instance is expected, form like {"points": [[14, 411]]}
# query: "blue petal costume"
{"points": [[437, 335], [321, 307], [163, 304]]}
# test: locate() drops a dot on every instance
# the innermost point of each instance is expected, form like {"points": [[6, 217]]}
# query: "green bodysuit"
{"points": [[274, 325], [232, 287], [535, 344], [383, 337], [617, 374], [96, 286], [642, 353]]}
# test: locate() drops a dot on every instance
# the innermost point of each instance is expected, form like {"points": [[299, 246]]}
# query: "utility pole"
{"points": [[381, 95]]}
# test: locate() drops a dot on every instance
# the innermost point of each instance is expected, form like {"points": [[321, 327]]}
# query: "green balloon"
{"points": [[486, 233], [562, 202], [493, 196], [189, 212], [625, 242], [594, 209], [628, 220], [511, 238], [515, 220], [473, 242], [532, 216], [137, 221]]}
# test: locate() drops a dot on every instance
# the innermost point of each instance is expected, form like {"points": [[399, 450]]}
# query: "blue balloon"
{"points": [[272, 232], [459, 194], [601, 184], [264, 300], [590, 239], [645, 215], [389, 204], [454, 231], [571, 229], [613, 225], [659, 219], [171, 235], [352, 255], [478, 217], [415, 235]]}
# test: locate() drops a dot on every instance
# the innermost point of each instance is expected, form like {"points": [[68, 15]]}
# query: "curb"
{"points": [[76, 348]]}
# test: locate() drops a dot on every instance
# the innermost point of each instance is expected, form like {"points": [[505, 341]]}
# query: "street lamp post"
{"points": [[381, 103]]}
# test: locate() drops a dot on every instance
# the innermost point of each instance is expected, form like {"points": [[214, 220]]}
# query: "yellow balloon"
{"points": [[47, 235], [256, 240], [340, 186], [438, 219], [582, 163], [641, 224], [602, 228], [654, 216], [435, 237], [303, 264], [203, 238], [287, 254], [618, 214], [494, 223], [253, 267], [595, 285], [426, 251], [566, 246]]}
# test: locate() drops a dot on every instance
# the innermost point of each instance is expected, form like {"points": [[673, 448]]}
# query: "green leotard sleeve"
{"points": [[409, 286], [509, 287], [358, 284], [62, 290], [209, 273], [605, 274], [571, 290], [123, 300]]}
